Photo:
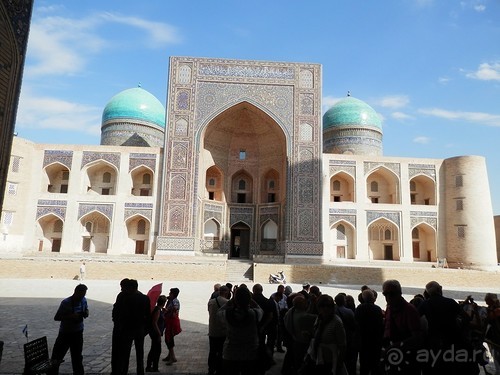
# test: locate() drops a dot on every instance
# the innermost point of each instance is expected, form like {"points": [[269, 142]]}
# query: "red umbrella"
{"points": [[153, 294]]}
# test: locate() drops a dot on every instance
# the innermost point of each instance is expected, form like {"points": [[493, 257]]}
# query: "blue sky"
{"points": [[430, 68]]}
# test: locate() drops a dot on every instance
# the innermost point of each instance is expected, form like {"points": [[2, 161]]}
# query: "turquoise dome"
{"points": [[351, 112], [136, 104]]}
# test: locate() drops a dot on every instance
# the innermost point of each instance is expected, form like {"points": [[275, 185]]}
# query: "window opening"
{"points": [[106, 177], [141, 227]]}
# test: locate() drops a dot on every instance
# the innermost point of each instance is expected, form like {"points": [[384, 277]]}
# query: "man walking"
{"points": [[71, 313]]}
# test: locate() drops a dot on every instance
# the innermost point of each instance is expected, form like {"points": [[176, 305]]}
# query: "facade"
{"points": [[244, 166]]}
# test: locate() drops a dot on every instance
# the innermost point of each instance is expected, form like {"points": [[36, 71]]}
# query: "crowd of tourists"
{"points": [[319, 334], [323, 334]]}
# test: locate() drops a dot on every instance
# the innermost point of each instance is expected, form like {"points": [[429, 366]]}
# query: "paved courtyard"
{"points": [[34, 302]]}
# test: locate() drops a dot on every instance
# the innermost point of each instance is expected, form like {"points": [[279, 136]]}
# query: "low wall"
{"points": [[201, 269], [354, 275], [181, 270]]}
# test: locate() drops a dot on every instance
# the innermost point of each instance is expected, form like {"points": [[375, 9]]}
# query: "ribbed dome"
{"points": [[135, 103], [351, 112]]}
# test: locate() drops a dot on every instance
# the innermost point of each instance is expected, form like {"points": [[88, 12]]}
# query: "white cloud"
{"points": [[52, 113], [60, 46], [393, 101], [487, 72], [480, 8], [63, 46], [444, 80], [421, 140], [474, 117], [158, 33], [401, 116]]}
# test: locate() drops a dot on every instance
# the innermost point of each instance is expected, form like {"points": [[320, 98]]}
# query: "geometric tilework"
{"points": [[105, 209], [65, 157], [148, 214], [395, 167], [241, 214], [304, 248], [58, 211], [425, 169], [277, 101], [112, 158], [432, 221], [389, 215], [246, 71], [148, 160], [338, 217], [177, 244]]}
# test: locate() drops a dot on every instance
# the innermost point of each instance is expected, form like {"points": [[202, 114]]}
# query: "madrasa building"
{"points": [[242, 164]]}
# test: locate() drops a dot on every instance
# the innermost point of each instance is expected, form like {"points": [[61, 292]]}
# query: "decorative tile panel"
{"points": [[277, 101], [181, 128], [393, 216], [65, 157], [179, 155], [182, 100], [245, 71], [176, 218], [304, 248], [306, 104], [178, 187], [148, 160], [425, 169], [306, 189], [395, 167], [417, 217], [346, 215], [306, 79], [51, 207], [243, 214], [305, 223], [177, 244], [90, 156], [105, 209], [306, 133], [215, 211]]}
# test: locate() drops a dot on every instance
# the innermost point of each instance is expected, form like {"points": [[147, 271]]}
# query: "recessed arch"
{"points": [[211, 235], [342, 187], [424, 242], [422, 190], [95, 237], [342, 241], [382, 186], [214, 183], [240, 240], [270, 186], [138, 233], [142, 178], [383, 240], [242, 187], [95, 182], [49, 230], [55, 178], [242, 102]]}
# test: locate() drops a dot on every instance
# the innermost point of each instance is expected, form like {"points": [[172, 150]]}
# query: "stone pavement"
{"points": [[34, 302]]}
